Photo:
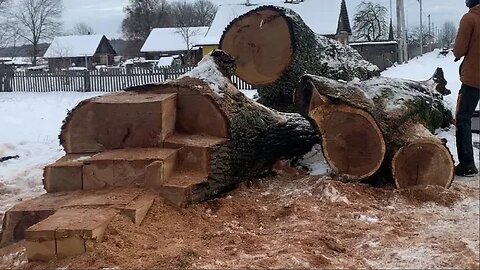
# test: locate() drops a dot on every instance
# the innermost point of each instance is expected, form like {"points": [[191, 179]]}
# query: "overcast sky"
{"points": [[105, 16]]}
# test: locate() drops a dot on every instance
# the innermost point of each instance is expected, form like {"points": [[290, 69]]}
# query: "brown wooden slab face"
{"points": [[117, 197], [64, 233], [16, 222], [43, 250], [261, 45], [138, 208], [154, 174], [70, 246], [178, 140], [126, 167], [121, 120], [197, 114], [352, 142], [193, 159], [179, 189], [18, 218], [65, 174], [425, 162], [178, 196], [79, 134]]}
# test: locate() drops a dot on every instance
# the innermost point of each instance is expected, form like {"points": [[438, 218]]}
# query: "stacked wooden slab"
{"points": [[67, 223], [117, 147]]}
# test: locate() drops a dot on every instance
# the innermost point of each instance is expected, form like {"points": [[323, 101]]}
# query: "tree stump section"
{"points": [[273, 48], [217, 136], [381, 122]]}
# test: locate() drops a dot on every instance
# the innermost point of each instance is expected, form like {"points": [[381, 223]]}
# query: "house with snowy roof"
{"points": [[80, 51], [164, 42], [327, 18]]}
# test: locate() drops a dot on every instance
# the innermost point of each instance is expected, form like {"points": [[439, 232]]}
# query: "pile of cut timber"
{"points": [[381, 121], [186, 140], [378, 127]]}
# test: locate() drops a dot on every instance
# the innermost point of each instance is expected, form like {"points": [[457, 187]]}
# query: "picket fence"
{"points": [[109, 80]]}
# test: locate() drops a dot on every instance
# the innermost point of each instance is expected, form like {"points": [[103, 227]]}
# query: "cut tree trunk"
{"points": [[248, 137], [381, 121], [273, 48]]}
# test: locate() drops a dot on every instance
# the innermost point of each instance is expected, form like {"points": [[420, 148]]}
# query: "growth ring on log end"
{"points": [[423, 162], [352, 142], [261, 44]]}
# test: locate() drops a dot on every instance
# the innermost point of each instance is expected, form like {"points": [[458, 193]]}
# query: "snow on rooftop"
{"points": [[321, 18], [73, 46], [170, 39], [373, 43], [16, 60]]}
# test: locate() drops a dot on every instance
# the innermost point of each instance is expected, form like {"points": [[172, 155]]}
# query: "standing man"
{"points": [[467, 45]]}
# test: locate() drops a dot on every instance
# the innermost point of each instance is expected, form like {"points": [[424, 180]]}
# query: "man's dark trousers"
{"points": [[467, 102]]}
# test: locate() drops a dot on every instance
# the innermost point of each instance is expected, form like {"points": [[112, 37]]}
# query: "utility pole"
{"points": [[434, 36], [429, 34], [401, 34], [421, 27]]}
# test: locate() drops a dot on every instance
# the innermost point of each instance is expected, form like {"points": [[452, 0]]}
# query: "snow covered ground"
{"points": [[30, 124]]}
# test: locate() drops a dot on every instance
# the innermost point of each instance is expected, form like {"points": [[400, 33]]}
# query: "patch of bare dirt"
{"points": [[299, 222]]}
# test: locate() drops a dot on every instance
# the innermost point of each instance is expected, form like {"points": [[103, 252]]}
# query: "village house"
{"points": [[331, 20], [168, 42], [85, 51]]}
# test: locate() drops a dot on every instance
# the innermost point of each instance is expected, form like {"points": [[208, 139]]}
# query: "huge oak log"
{"points": [[273, 48], [381, 122], [251, 136]]}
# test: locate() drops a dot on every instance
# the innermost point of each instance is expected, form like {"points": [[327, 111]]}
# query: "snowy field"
{"points": [[30, 124]]}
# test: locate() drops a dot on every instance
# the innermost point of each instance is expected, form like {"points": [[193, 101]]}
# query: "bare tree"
{"points": [[3, 4], [11, 37], [184, 14], [188, 16], [198, 13], [448, 34], [414, 36], [82, 29], [370, 22], [141, 16], [204, 12], [38, 20], [3, 22], [144, 15]]}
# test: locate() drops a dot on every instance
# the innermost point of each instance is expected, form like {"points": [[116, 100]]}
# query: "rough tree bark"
{"points": [[356, 119], [273, 48], [256, 136]]}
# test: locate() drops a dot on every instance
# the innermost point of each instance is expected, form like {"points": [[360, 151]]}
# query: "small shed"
{"points": [[381, 53], [80, 51]]}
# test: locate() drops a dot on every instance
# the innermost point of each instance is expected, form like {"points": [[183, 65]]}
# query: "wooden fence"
{"points": [[109, 80]]}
